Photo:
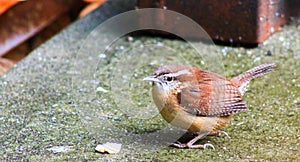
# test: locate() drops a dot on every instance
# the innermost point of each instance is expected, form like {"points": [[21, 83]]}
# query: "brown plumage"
{"points": [[198, 100]]}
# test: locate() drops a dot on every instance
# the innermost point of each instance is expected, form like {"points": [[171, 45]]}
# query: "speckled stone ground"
{"points": [[54, 98]]}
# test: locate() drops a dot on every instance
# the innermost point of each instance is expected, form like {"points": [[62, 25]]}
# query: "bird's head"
{"points": [[167, 78]]}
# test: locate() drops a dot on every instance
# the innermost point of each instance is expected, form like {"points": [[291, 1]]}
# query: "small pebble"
{"points": [[101, 89], [130, 39], [109, 147], [58, 149]]}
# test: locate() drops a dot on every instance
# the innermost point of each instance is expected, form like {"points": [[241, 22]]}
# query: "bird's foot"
{"points": [[187, 145], [219, 133]]}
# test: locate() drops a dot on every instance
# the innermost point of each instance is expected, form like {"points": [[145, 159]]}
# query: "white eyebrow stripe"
{"points": [[185, 71]]}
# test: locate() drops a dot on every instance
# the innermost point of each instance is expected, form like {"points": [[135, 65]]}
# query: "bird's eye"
{"points": [[169, 78]]}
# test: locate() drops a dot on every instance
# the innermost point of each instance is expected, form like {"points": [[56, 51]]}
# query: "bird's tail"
{"points": [[243, 79]]}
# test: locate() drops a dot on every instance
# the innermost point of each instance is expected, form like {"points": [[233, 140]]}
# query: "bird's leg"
{"points": [[190, 144], [219, 133]]}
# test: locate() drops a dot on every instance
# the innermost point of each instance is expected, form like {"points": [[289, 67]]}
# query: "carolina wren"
{"points": [[198, 100]]}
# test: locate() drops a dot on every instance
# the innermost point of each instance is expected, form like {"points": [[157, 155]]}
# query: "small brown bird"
{"points": [[198, 100]]}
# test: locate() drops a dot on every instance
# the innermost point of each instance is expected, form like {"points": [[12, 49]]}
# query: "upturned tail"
{"points": [[242, 80]]}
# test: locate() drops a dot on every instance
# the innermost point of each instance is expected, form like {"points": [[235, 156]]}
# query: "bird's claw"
{"points": [[219, 133], [182, 145], [208, 144], [178, 145], [225, 133]]}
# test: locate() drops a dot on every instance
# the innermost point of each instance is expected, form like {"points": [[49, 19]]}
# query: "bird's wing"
{"points": [[211, 95]]}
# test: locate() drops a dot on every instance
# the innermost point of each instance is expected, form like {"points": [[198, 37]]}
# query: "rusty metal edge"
{"points": [[32, 20]]}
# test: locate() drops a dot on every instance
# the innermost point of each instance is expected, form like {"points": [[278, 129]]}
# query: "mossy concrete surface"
{"points": [[45, 102]]}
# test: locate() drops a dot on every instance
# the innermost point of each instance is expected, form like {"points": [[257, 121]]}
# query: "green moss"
{"points": [[42, 110]]}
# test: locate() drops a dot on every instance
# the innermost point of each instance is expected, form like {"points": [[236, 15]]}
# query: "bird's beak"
{"points": [[151, 78]]}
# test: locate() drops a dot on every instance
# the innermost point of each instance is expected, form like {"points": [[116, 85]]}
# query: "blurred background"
{"points": [[47, 101], [24, 25]]}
